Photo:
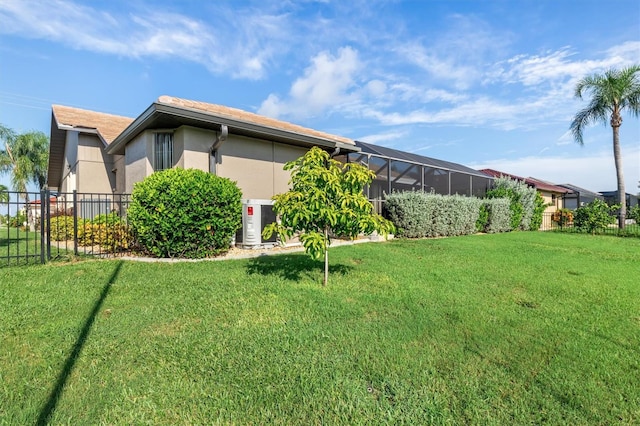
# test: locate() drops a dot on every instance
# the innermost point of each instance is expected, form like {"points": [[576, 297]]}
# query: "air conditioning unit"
{"points": [[256, 214]]}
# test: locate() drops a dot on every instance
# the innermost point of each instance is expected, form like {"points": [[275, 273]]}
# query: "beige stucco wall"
{"points": [[256, 165], [138, 159], [68, 183], [94, 169], [552, 205], [119, 167], [193, 147]]}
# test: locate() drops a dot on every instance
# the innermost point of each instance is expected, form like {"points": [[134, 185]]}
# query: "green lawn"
{"points": [[18, 247], [518, 328]]}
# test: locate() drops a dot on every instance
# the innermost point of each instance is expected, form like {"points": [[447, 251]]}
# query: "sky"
{"points": [[480, 83]]}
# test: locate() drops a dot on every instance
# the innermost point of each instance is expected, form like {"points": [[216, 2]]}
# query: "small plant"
{"points": [[61, 228], [325, 199], [562, 217], [595, 215], [108, 231]]}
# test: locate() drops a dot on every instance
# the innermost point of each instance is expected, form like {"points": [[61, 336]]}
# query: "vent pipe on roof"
{"points": [[220, 139]]}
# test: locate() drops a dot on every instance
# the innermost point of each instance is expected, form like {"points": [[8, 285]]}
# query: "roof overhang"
{"points": [[163, 116]]}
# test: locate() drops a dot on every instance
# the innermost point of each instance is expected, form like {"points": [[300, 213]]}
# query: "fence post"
{"points": [[48, 233], [43, 212], [75, 222]]}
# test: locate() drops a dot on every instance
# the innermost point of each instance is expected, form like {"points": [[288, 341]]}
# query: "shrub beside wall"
{"points": [[419, 214], [185, 213]]}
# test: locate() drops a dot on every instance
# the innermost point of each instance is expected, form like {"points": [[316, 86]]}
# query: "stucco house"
{"points": [[96, 152], [553, 195]]}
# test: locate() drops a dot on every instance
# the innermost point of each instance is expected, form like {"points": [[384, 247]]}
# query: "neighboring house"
{"points": [[553, 195], [611, 198], [578, 197], [96, 152]]}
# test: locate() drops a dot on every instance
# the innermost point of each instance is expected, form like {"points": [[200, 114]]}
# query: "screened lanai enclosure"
{"points": [[402, 171]]}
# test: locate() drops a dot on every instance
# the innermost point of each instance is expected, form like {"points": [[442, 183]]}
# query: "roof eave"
{"points": [[269, 133]]}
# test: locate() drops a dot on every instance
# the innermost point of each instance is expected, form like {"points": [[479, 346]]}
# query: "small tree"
{"points": [[595, 215], [325, 199]]}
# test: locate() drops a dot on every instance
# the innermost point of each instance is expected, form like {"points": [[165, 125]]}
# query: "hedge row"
{"points": [[419, 214]]}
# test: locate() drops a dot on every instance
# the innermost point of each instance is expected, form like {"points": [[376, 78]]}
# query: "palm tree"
{"points": [[611, 93], [25, 156]]}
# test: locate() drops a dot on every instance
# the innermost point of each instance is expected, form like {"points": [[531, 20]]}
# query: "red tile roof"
{"points": [[536, 183]]}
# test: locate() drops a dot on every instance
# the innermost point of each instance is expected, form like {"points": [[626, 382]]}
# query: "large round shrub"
{"points": [[185, 213]]}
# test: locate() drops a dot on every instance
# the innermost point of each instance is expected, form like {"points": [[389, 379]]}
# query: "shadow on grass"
{"points": [[56, 392], [293, 267]]}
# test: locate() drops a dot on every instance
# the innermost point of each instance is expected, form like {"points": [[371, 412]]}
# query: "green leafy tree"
{"points": [[611, 93], [325, 200], [595, 215]]}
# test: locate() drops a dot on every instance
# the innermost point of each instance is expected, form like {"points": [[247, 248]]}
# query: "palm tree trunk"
{"points": [[622, 195]]}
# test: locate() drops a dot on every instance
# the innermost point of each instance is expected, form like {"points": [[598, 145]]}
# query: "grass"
{"points": [[519, 328], [18, 247]]}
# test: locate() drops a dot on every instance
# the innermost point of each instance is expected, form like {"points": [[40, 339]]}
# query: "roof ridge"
{"points": [[237, 113]]}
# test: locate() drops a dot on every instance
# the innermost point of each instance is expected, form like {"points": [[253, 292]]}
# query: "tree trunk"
{"points": [[326, 258], [622, 195]]}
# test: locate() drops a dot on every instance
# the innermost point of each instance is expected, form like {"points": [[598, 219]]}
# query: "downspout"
{"points": [[334, 153], [213, 151]]}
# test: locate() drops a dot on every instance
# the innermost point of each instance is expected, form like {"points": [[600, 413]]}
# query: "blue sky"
{"points": [[481, 83]]}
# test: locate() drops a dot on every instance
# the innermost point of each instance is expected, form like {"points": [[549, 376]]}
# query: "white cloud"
{"points": [[595, 171], [326, 83], [558, 65], [242, 46]]}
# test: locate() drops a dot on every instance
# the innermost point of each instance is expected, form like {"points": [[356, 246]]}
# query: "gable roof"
{"points": [[536, 183], [63, 118], [172, 112], [107, 126]]}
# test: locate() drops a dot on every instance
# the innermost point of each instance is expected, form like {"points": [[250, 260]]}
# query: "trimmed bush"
{"points": [[523, 201], [417, 214], [185, 213], [498, 215]]}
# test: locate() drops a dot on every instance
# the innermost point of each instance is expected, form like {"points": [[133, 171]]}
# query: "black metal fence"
{"points": [[38, 226], [565, 223]]}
